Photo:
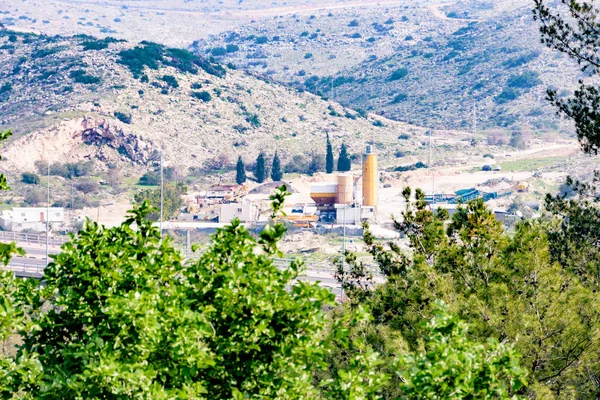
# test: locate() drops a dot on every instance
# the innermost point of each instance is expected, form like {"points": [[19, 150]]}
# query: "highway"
{"points": [[33, 263]]}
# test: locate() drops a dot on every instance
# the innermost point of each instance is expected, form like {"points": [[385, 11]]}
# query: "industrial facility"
{"points": [[340, 201]]}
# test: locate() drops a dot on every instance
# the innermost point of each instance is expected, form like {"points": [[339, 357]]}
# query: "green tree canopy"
{"points": [[276, 174], [572, 28], [172, 200], [344, 164], [240, 171], [260, 171], [329, 157]]}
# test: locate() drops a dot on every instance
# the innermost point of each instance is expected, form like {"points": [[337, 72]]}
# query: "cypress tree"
{"points": [[240, 171], [344, 163], [276, 174], [260, 172], [329, 157]]}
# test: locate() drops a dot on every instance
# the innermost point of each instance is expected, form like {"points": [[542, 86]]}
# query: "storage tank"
{"points": [[323, 193], [345, 189], [370, 178]]}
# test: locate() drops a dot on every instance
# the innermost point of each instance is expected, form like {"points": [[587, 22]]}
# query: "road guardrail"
{"points": [[32, 238]]}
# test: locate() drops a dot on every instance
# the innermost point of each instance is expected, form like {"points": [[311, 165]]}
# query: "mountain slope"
{"points": [[424, 63], [69, 98]]}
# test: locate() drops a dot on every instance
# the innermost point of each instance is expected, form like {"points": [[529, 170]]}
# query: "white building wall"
{"points": [[31, 218], [245, 212]]}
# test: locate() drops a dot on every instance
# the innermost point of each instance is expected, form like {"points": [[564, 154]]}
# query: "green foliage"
{"points": [[508, 94], [153, 56], [276, 174], [400, 97], [218, 51], [260, 171], [526, 80], [398, 74], [411, 167], [253, 120], [150, 178], [571, 29], [123, 117], [172, 200], [240, 171], [344, 164], [30, 179], [170, 80], [98, 44], [6, 88], [547, 311], [80, 76], [203, 95], [329, 156], [455, 367], [66, 170], [232, 48]]}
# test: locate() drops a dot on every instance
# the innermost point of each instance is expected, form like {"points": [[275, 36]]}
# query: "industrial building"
{"points": [[31, 219], [339, 201], [245, 212]]}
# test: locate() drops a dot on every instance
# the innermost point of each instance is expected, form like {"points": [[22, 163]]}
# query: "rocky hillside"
{"points": [[420, 63], [71, 98]]}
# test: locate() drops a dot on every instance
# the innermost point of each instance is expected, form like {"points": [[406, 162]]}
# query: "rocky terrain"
{"points": [[70, 98], [425, 63]]}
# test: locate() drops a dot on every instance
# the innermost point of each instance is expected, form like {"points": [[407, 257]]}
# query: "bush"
{"points": [[488, 155], [308, 55], [7, 87], [125, 118], [218, 51], [171, 81], [508, 94], [355, 35], [30, 179], [400, 97], [253, 120], [80, 76], [87, 186], [526, 80], [67, 170], [203, 95], [404, 136], [34, 196], [412, 167], [378, 123], [261, 40], [232, 48], [398, 74], [150, 179], [354, 23]]}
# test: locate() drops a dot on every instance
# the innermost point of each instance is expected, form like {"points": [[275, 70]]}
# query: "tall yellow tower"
{"points": [[370, 178]]}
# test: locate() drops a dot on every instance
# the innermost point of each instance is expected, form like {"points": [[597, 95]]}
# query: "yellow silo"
{"points": [[370, 178]]}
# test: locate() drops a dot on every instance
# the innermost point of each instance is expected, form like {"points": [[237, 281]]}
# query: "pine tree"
{"points": [[329, 157], [276, 174], [240, 169], [344, 163], [260, 172]]}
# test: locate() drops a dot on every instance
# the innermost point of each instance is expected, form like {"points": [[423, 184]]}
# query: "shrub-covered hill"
{"points": [[70, 98], [421, 63]]}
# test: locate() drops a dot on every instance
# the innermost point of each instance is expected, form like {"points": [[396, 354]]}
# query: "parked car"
{"points": [[486, 168], [497, 168]]}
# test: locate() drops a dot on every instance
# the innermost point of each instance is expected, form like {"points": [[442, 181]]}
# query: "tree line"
{"points": [[261, 171]]}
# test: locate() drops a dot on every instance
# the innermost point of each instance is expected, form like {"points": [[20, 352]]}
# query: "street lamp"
{"points": [[48, 215]]}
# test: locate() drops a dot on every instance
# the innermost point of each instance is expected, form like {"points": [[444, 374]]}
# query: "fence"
{"points": [[30, 238], [26, 270]]}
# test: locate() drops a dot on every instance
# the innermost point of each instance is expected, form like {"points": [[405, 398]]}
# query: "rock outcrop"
{"points": [[100, 132]]}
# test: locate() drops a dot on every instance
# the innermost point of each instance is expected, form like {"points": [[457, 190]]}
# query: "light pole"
{"points": [[161, 192], [48, 214]]}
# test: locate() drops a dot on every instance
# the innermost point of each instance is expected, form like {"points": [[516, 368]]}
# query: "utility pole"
{"points": [[474, 121], [48, 215], [161, 192], [344, 245], [431, 166]]}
